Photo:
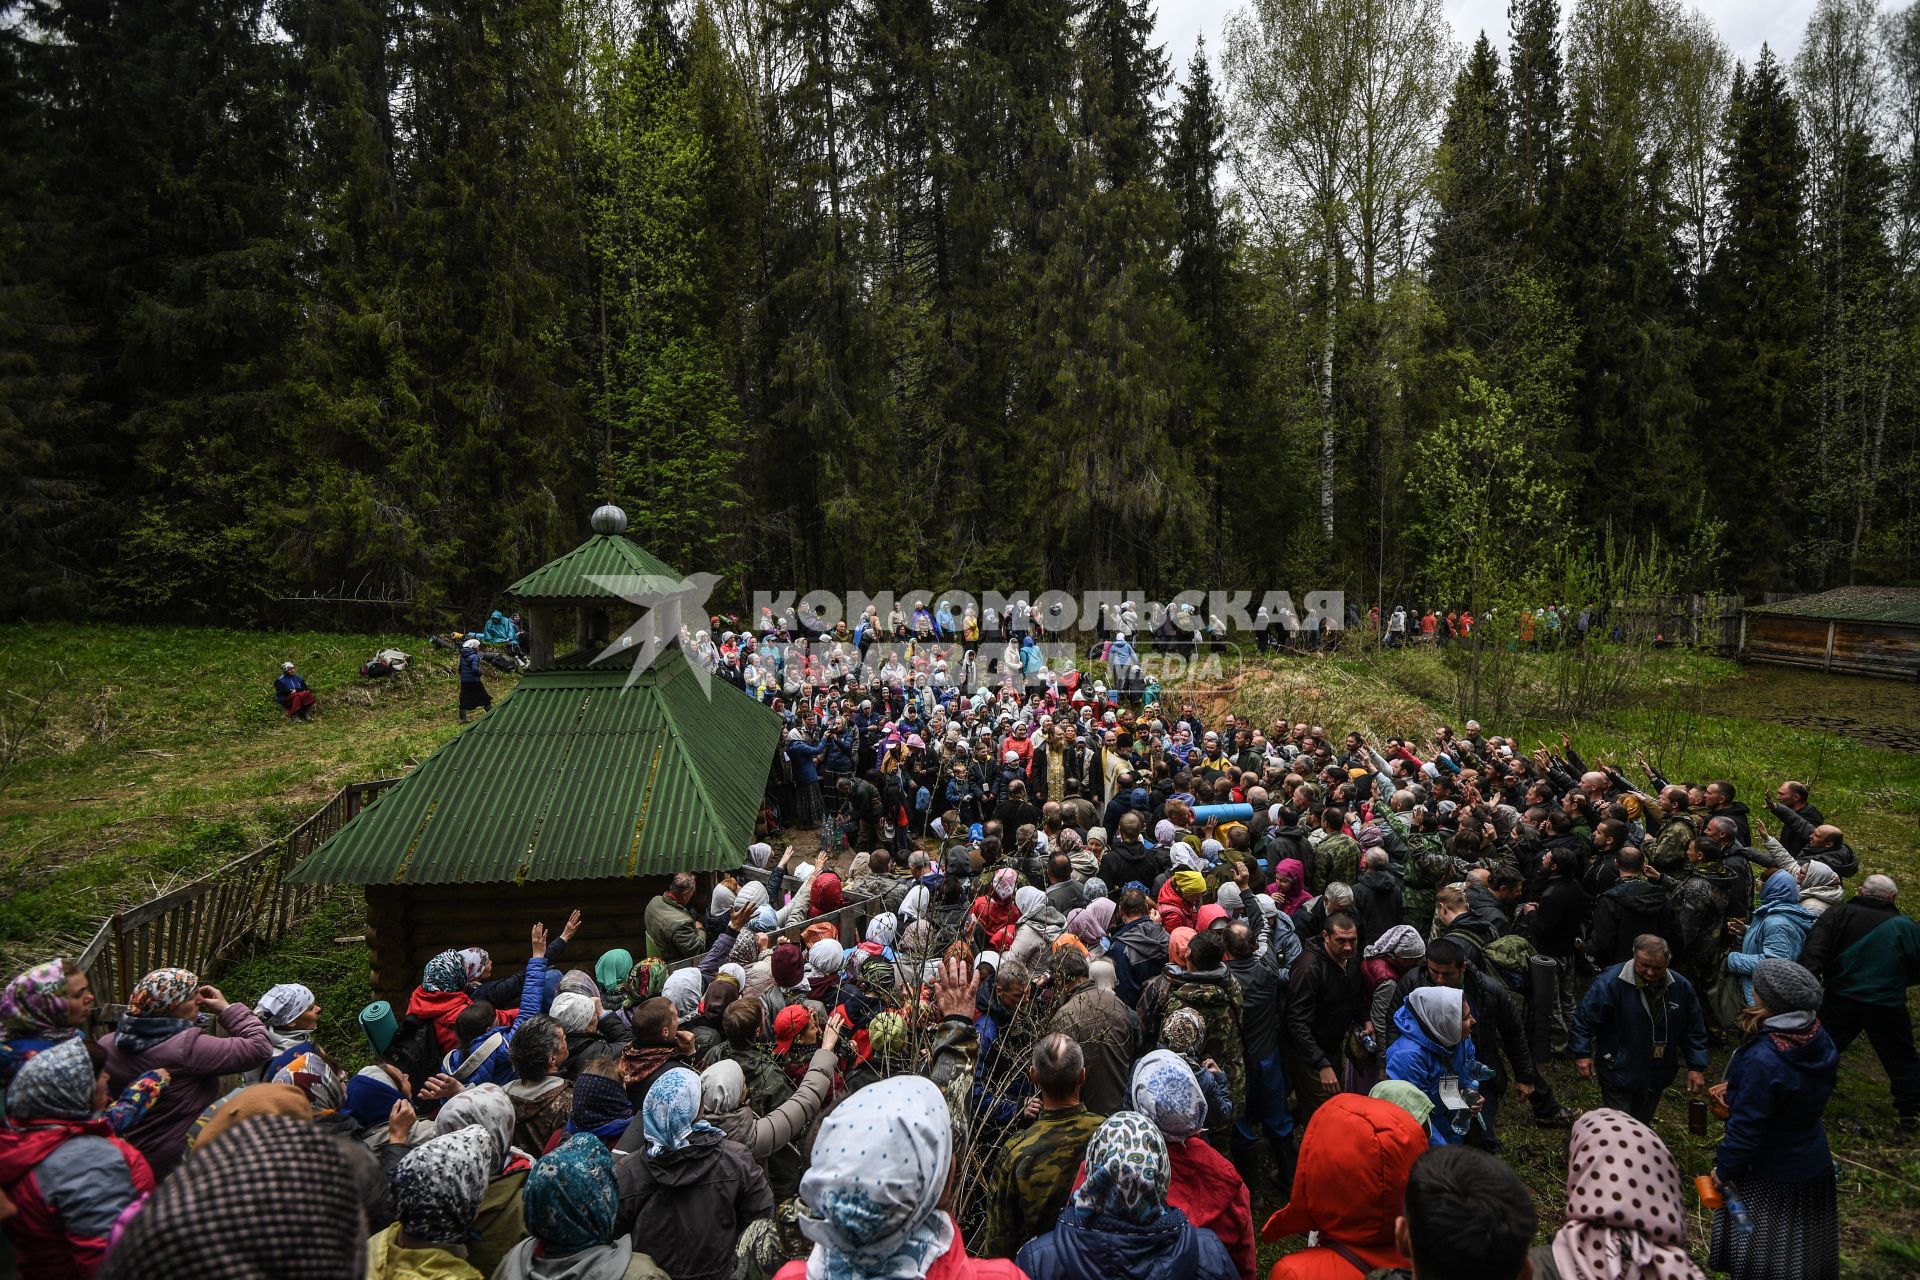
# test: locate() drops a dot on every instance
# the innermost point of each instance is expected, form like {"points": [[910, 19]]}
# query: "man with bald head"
{"points": [[1810, 838]]}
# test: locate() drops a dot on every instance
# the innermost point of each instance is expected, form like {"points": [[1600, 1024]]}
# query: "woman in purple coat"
{"points": [[159, 1030]]}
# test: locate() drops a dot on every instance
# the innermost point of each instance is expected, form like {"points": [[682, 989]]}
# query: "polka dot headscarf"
{"points": [[1626, 1215]]}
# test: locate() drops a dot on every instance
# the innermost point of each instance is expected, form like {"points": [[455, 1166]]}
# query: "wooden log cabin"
{"points": [[1871, 631], [586, 787]]}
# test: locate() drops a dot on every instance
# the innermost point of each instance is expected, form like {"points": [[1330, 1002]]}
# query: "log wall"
{"points": [[1858, 648]]}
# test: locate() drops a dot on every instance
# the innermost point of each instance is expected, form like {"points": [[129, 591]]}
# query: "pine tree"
{"points": [[662, 397], [1757, 304], [1098, 362], [1470, 254], [1537, 79], [1214, 391]]}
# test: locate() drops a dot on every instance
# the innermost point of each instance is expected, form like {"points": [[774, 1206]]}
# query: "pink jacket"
{"points": [[197, 1060]]}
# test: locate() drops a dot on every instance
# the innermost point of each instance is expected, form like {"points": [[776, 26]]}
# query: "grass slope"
{"points": [[162, 754]]}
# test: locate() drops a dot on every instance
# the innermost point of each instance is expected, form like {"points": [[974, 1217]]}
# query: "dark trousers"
{"points": [[1638, 1103], [1889, 1030]]}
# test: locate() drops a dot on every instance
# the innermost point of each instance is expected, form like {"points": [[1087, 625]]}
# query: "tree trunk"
{"points": [[1326, 390]]}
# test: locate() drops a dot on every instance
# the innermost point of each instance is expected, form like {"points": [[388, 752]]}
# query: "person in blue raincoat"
{"points": [[1778, 929], [1436, 1040]]}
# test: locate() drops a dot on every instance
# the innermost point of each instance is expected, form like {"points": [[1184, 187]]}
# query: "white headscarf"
{"points": [[682, 989], [882, 929], [722, 1087], [1438, 1010], [285, 1002], [722, 902], [825, 959], [916, 903], [760, 854], [873, 1192], [486, 1105]]}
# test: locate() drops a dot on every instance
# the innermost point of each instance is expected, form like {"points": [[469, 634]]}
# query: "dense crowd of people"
{"points": [[1120, 977]]}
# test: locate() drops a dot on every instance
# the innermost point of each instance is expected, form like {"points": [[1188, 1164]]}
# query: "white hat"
{"points": [[286, 666], [471, 643]]}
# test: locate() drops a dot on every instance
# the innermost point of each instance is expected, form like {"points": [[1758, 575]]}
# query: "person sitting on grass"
{"points": [[291, 692]]}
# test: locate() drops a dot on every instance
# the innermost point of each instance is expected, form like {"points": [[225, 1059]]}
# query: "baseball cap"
{"points": [[788, 1025]]}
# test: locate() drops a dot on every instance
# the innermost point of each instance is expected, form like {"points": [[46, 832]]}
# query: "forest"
{"points": [[335, 301]]}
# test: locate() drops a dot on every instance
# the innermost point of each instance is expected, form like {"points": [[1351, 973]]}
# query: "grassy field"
{"points": [[162, 754]]}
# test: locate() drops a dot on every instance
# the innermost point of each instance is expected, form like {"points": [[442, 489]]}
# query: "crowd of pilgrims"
{"points": [[1076, 1024]]}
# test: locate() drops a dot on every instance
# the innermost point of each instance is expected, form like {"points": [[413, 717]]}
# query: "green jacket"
{"points": [[672, 932], [1340, 855], [1035, 1177]]}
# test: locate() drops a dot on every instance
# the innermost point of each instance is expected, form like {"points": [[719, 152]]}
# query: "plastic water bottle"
{"points": [[1737, 1212], [1463, 1118]]}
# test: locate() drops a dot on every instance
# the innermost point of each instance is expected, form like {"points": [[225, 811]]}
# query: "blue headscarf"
{"points": [[570, 1199], [670, 1114], [370, 1097]]}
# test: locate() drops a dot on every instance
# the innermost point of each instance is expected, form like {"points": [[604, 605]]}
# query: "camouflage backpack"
{"points": [[1220, 1004]]}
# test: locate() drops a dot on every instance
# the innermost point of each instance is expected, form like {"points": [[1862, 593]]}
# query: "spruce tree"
{"points": [[1470, 252], [1757, 304], [1537, 78]]}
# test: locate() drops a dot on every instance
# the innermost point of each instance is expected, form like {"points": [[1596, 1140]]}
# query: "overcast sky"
{"points": [[1744, 24]]}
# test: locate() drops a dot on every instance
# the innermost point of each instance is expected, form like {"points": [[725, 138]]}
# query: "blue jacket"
{"points": [[1420, 1060], [991, 1076], [802, 756], [1775, 1100], [287, 685], [1615, 1020], [1778, 928], [497, 1069], [470, 666], [1089, 1246], [837, 752]]}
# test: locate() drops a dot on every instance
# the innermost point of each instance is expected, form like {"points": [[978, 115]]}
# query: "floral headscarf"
{"points": [[1626, 1216], [649, 975], [1164, 1090], [671, 1114], [1184, 1030], [475, 961], [873, 1192], [1004, 882], [1127, 1170], [34, 1004], [438, 1186], [160, 990], [308, 1072], [54, 1084], [569, 1198], [445, 972]]}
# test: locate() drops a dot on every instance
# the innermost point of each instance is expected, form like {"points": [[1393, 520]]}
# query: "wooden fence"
{"points": [[246, 902]]}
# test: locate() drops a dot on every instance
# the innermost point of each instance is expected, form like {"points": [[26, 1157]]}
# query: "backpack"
{"points": [[1508, 958], [1219, 1004], [415, 1049]]}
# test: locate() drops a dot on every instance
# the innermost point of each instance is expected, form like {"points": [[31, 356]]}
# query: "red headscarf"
{"points": [[826, 894]]}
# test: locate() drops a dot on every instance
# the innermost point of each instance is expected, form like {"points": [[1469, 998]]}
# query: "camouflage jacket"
{"points": [[1339, 859], [1668, 852], [1035, 1176]]}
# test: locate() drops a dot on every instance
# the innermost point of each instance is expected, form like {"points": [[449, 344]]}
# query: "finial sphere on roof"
{"points": [[609, 519]]}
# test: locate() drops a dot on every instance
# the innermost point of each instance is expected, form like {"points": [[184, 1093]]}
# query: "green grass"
{"points": [[162, 754]]}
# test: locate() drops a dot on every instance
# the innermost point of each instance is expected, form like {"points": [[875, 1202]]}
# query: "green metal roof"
{"points": [[603, 555], [1898, 605], [572, 777]]}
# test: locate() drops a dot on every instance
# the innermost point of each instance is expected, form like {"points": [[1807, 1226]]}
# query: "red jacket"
{"points": [[954, 1264], [442, 1008], [66, 1206], [998, 919], [1351, 1181], [1174, 911]]}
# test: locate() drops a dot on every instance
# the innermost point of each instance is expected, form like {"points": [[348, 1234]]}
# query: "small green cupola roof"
{"points": [[609, 553]]}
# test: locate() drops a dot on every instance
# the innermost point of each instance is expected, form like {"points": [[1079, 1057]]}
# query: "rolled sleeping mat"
{"points": [[379, 1023], [1543, 978], [1223, 813]]}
